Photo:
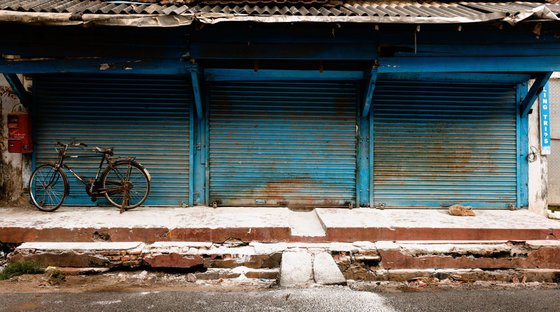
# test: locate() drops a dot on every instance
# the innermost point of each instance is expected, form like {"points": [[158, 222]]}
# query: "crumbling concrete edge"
{"points": [[358, 261]]}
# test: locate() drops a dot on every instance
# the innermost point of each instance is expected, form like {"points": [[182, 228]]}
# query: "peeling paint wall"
{"points": [[538, 169], [11, 165]]}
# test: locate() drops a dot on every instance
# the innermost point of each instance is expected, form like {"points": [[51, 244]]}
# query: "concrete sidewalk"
{"points": [[204, 224]]}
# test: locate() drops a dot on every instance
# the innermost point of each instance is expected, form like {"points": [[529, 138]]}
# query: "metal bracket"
{"points": [[536, 89], [369, 92], [19, 90], [193, 69]]}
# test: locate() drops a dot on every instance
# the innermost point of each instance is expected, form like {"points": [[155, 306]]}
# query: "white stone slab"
{"points": [[296, 269], [325, 270]]}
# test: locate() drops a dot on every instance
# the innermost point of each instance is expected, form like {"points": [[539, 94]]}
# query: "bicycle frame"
{"points": [[62, 157]]}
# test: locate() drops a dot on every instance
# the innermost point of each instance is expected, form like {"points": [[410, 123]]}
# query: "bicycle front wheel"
{"points": [[48, 186], [126, 184]]}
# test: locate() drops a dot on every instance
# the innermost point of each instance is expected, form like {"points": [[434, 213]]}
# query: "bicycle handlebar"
{"points": [[76, 144]]}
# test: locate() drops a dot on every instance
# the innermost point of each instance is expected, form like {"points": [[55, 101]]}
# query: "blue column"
{"points": [[522, 149]]}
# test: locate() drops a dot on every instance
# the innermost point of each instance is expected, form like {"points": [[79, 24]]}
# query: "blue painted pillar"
{"points": [[522, 149], [199, 140], [364, 190]]}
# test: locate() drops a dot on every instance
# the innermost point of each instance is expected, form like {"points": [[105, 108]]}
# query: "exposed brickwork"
{"points": [[519, 257], [79, 259], [263, 274], [357, 261], [173, 261], [381, 263]]}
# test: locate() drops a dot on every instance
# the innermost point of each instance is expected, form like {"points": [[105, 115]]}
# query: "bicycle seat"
{"points": [[105, 150]]}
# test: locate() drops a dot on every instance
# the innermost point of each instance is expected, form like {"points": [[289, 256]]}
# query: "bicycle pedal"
{"points": [[93, 199]]}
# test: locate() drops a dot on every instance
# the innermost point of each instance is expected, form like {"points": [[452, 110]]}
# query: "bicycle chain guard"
{"points": [[92, 189]]}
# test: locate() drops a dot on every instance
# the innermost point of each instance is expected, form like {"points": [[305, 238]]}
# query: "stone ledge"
{"points": [[348, 234], [465, 275], [147, 235]]}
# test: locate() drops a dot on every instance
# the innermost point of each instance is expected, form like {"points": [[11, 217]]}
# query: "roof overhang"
{"points": [[129, 13]]}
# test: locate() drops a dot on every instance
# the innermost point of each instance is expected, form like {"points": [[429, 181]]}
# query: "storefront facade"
{"points": [[305, 115]]}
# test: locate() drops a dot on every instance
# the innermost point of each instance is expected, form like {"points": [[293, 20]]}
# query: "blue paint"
{"points": [[206, 152], [196, 91], [469, 78], [148, 117], [200, 149], [212, 74], [534, 92], [219, 50], [468, 64], [455, 145], [522, 136], [369, 91], [102, 66], [191, 156], [371, 157], [34, 121], [363, 178], [545, 123], [283, 143]]}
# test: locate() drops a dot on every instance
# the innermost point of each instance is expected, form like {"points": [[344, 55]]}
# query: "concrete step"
{"points": [[306, 226], [268, 225]]}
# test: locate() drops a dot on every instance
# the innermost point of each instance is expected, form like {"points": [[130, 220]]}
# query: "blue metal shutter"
{"points": [[146, 117], [282, 143], [440, 144]]}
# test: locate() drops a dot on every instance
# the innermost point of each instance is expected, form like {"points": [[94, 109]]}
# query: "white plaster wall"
{"points": [[538, 170]]}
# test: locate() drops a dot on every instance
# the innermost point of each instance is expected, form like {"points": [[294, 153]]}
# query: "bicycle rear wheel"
{"points": [[48, 187], [126, 184]]}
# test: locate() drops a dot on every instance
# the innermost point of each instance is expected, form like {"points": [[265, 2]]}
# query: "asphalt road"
{"points": [[315, 299]]}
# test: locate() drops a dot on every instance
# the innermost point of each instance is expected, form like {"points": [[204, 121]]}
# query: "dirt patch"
{"points": [[431, 285]]}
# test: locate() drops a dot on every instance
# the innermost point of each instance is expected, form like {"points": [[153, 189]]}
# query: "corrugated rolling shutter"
{"points": [[146, 117], [440, 144], [283, 143]]}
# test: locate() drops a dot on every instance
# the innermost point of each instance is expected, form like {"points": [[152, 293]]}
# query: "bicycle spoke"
{"points": [[133, 185], [49, 196], [47, 187]]}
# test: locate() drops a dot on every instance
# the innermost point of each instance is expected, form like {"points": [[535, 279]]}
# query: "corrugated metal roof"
{"points": [[183, 12]]}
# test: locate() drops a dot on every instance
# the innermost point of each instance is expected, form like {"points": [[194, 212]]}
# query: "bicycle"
{"points": [[124, 182]]}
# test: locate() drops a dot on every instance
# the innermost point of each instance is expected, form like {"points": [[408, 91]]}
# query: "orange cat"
{"points": [[460, 210]]}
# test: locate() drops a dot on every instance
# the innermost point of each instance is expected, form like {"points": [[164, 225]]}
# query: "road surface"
{"points": [[313, 299]]}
